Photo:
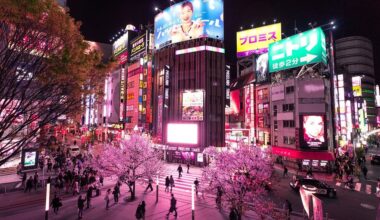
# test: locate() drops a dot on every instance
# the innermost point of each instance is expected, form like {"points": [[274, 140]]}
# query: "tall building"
{"points": [[354, 60], [189, 80]]}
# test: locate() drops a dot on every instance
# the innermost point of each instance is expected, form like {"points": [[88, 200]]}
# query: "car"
{"points": [[375, 159], [319, 187]]}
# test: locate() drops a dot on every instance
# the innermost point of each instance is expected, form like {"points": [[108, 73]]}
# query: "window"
{"points": [[289, 89], [275, 125], [287, 107], [275, 140], [288, 123], [289, 140], [275, 110], [262, 94]]}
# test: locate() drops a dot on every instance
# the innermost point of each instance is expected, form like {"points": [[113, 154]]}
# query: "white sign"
{"points": [[200, 157]]}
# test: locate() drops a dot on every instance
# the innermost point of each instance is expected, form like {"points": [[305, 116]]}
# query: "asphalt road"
{"points": [[349, 204]]}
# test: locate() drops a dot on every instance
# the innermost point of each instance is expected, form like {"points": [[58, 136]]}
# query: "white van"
{"points": [[74, 150]]}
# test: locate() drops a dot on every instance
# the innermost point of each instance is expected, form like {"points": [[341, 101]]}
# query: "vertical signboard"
{"points": [[160, 108], [122, 94], [262, 74], [257, 40], [228, 78], [138, 47], [357, 86], [305, 48]]}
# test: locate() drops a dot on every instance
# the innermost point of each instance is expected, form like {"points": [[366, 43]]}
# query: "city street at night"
{"points": [[189, 109]]}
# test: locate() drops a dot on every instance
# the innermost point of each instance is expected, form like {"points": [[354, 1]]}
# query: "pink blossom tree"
{"points": [[133, 160], [242, 175]]}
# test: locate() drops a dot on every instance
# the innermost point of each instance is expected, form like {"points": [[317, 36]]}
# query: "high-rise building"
{"points": [[354, 60]]}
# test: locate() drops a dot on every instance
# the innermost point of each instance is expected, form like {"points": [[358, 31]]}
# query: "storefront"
{"points": [[320, 161], [182, 155]]}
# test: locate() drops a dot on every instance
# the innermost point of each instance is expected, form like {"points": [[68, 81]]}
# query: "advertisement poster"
{"points": [[357, 86], [257, 40], [160, 108], [235, 101], [120, 45], [317, 208], [262, 74], [305, 198], [189, 20], [29, 159], [313, 132], [192, 105]]}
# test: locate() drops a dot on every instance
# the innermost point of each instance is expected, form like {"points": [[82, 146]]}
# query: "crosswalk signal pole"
{"points": [[192, 201], [157, 189]]}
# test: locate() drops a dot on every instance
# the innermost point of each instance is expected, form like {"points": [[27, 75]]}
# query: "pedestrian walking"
{"points": [[56, 203], [150, 181], [285, 171], [80, 206], [29, 184], [173, 207], [233, 214], [218, 200], [180, 170], [24, 177], [35, 181], [167, 184], [50, 164], [196, 184], [116, 192], [171, 183], [288, 208], [75, 187], [89, 196], [140, 211], [101, 179], [365, 171], [107, 198], [188, 167]]}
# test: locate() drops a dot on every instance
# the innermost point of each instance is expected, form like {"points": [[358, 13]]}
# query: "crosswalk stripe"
{"points": [[358, 186]]}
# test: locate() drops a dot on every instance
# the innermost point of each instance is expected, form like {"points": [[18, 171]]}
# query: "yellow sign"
{"points": [[257, 40], [357, 90]]}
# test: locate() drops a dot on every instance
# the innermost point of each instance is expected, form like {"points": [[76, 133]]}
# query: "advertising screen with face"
{"points": [[262, 68], [314, 132], [189, 20], [29, 159], [192, 105]]}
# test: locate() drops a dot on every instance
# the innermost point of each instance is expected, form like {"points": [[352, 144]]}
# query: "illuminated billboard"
{"points": [[192, 105], [182, 133], [257, 40], [138, 47], [304, 48], [29, 159], [189, 20], [357, 86], [262, 74], [313, 134], [235, 101], [120, 45]]}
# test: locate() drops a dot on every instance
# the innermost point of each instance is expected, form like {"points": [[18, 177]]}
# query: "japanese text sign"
{"points": [[257, 40], [305, 48]]}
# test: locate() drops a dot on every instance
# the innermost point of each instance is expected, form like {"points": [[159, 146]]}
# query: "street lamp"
{"points": [[47, 199], [192, 201], [157, 9]]}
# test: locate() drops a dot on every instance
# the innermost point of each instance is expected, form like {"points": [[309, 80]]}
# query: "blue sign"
{"points": [[189, 20]]}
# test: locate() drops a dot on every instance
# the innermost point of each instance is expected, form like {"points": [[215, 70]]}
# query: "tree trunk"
{"points": [[133, 191]]}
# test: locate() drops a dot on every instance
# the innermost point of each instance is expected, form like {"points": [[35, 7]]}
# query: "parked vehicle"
{"points": [[320, 188], [375, 159]]}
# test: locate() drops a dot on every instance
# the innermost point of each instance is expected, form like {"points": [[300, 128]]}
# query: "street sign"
{"points": [[298, 50]]}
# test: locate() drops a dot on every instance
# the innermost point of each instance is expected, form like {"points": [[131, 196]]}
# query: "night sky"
{"points": [[101, 19]]}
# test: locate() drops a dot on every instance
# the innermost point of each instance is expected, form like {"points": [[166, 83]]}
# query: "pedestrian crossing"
{"points": [[183, 183], [360, 187]]}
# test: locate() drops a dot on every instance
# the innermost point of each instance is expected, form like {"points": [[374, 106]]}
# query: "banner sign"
{"points": [[120, 45], [138, 47], [257, 40], [305, 48], [314, 131], [189, 20], [317, 208]]}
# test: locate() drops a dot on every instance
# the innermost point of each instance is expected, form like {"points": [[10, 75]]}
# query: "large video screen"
{"points": [[29, 159], [314, 132], [192, 105], [182, 133], [262, 73], [189, 20]]}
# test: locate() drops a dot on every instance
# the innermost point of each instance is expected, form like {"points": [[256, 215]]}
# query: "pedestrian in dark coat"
{"points": [[179, 169], [116, 192], [29, 184], [365, 171], [150, 181], [233, 214], [285, 171], [171, 183], [107, 198], [89, 196], [35, 181], [188, 167], [56, 203], [80, 206], [167, 184], [173, 206]]}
